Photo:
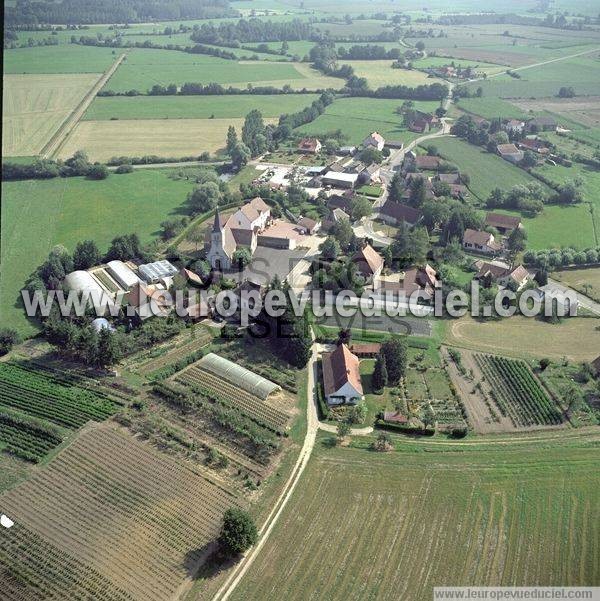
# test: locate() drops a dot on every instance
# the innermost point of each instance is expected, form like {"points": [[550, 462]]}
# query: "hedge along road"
{"points": [[55, 143]]}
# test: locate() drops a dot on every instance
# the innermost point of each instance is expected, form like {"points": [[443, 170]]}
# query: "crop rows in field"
{"points": [[150, 516], [25, 556], [517, 393], [233, 396], [41, 396], [25, 439], [201, 338]]}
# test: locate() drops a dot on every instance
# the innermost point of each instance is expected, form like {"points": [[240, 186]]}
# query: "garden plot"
{"points": [[152, 518], [517, 393], [35, 106]]}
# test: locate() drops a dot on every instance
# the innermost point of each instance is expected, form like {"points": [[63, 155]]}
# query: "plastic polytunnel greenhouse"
{"points": [[238, 375]]}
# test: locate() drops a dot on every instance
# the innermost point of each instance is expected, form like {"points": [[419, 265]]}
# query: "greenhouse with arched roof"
{"points": [[238, 375]]}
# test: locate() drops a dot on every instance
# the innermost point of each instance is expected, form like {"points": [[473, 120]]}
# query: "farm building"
{"points": [[159, 270], [82, 281], [543, 123], [514, 126], [309, 146], [341, 377], [394, 212], [310, 226], [123, 274], [374, 140], [340, 180], [369, 263], [503, 223], [238, 376], [364, 350], [482, 242], [510, 153], [516, 277], [347, 150]]}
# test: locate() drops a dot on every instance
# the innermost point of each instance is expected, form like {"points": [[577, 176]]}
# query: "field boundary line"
{"points": [[540, 64], [53, 146]]}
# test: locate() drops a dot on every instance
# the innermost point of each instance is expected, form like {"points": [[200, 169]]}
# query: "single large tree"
{"points": [[86, 255], [395, 359], [380, 376], [238, 532]]}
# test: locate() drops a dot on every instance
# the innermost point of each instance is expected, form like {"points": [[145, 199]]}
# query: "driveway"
{"points": [[584, 301]]}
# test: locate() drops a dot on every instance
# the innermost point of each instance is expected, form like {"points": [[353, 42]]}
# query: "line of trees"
{"points": [[251, 30], [34, 12], [77, 165]]}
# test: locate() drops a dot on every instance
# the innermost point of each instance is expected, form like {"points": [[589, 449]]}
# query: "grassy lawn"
{"points": [[493, 514], [586, 281], [376, 403], [561, 226], [59, 59], [195, 107], [370, 191], [487, 171], [358, 117], [38, 214], [576, 338]]}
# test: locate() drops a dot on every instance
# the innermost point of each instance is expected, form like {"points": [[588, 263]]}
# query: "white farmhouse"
{"points": [[374, 140]]}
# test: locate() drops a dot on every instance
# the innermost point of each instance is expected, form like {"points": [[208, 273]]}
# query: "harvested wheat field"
{"points": [[175, 138], [35, 106], [108, 519]]}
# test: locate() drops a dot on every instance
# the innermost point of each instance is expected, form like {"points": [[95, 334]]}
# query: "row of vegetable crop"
{"points": [[517, 392]]}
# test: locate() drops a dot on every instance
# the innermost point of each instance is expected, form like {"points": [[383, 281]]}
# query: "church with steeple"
{"points": [[241, 230]]}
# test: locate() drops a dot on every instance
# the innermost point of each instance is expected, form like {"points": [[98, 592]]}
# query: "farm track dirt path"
{"points": [[55, 143], [540, 64]]}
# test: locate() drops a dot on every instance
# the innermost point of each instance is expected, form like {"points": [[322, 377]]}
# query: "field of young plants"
{"points": [[36, 405], [517, 393], [108, 519], [234, 397]]}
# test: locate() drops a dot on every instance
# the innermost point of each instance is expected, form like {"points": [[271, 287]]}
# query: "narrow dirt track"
{"points": [[52, 147]]}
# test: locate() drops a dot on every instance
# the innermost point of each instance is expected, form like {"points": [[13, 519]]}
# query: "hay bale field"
{"points": [[163, 137], [109, 514], [36, 105], [364, 525]]}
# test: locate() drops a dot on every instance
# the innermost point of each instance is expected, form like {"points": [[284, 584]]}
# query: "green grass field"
{"points": [[490, 108], [487, 171], [582, 73], [357, 117], [363, 525], [59, 59], [144, 68], [380, 73], [38, 214], [194, 107]]}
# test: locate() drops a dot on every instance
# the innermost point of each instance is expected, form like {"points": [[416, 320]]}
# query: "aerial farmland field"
{"points": [[380, 73], [102, 140], [487, 171], [68, 58], [37, 214], [144, 68], [395, 525], [152, 517], [36, 105], [195, 107]]}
